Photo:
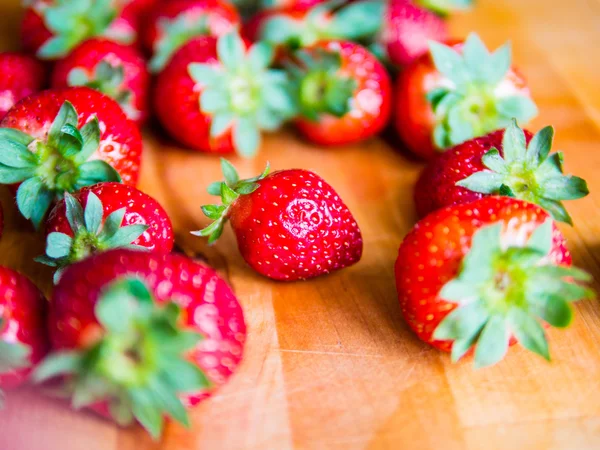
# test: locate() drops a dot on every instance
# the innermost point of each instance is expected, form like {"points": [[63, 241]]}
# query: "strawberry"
{"points": [[294, 28], [173, 24], [216, 96], [61, 140], [407, 28], [145, 335], [22, 75], [53, 28], [458, 92], [511, 163], [23, 337], [102, 217], [114, 69], [343, 91], [290, 225], [485, 274], [409, 25]]}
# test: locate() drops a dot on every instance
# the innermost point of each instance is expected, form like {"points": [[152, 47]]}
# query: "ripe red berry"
{"points": [[143, 335], [217, 96], [61, 140], [53, 28], [290, 225], [23, 337], [511, 162], [174, 23], [485, 274], [344, 92], [458, 92], [102, 217], [22, 75], [114, 69]]}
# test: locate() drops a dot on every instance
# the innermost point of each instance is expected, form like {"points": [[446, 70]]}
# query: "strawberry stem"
{"points": [[229, 190]]}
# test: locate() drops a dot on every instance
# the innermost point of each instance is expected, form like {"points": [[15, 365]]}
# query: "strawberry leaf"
{"points": [[229, 172], [174, 34], [529, 332], [475, 105], [229, 192], [89, 234], [466, 320], [501, 291], [73, 22], [528, 173], [13, 355], [492, 344]]}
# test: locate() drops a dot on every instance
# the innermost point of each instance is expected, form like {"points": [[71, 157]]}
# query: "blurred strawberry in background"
{"points": [[174, 23], [114, 69], [21, 76]]}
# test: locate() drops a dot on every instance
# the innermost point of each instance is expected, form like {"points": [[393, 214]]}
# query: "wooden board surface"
{"points": [[329, 363]]}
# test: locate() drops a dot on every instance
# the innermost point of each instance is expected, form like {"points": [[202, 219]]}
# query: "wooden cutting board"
{"points": [[329, 363]]}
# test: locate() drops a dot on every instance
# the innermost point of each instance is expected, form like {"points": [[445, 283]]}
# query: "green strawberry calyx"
{"points": [[507, 291], [445, 7], [139, 365], [320, 85], [90, 234], [528, 172], [47, 168], [329, 20], [229, 190], [73, 21], [13, 355], [108, 79], [474, 98], [241, 94], [174, 34]]}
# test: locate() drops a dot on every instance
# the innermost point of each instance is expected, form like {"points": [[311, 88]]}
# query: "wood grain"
{"points": [[329, 363]]}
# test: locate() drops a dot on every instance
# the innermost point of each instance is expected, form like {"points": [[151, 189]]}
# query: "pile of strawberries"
{"points": [[138, 333]]}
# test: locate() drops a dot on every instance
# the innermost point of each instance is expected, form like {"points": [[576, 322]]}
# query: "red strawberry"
{"points": [[53, 28], [102, 217], [407, 29], [23, 338], [114, 69], [173, 24], [294, 28], [148, 334], [457, 93], [502, 163], [345, 93], [484, 274], [22, 75], [290, 225], [62, 140], [216, 96]]}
